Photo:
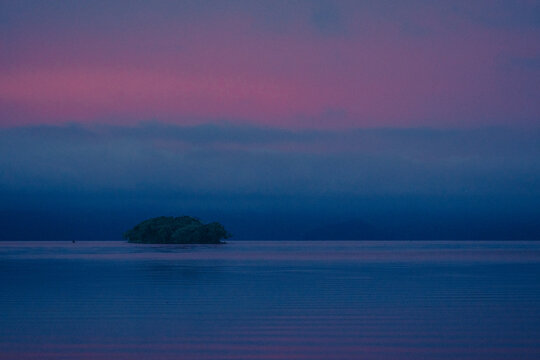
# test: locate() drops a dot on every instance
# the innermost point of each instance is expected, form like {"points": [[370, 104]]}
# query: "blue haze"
{"points": [[93, 182]]}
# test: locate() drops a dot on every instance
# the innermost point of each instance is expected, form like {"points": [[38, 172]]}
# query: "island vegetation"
{"points": [[176, 230]]}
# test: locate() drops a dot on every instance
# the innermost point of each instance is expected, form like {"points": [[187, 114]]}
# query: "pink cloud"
{"points": [[229, 68]]}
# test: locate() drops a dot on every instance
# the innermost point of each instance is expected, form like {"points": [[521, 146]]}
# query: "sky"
{"points": [[306, 112], [301, 64]]}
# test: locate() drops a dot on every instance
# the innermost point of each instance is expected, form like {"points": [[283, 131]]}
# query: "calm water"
{"points": [[270, 300]]}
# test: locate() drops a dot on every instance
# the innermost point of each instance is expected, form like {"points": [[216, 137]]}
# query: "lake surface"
{"points": [[270, 300]]}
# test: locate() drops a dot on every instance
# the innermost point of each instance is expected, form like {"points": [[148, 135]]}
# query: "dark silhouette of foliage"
{"points": [[176, 230]]}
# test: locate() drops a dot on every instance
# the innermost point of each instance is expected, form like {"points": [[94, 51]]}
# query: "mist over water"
{"points": [[95, 182], [270, 300]]}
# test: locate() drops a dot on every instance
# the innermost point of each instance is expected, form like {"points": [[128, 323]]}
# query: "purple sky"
{"points": [[233, 108], [288, 64]]}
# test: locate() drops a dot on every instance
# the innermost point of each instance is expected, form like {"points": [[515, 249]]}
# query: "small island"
{"points": [[176, 230]]}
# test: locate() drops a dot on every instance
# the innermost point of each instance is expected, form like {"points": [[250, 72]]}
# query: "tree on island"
{"points": [[176, 230]]}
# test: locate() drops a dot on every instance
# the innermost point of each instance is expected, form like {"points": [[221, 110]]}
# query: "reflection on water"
{"points": [[270, 300]]}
